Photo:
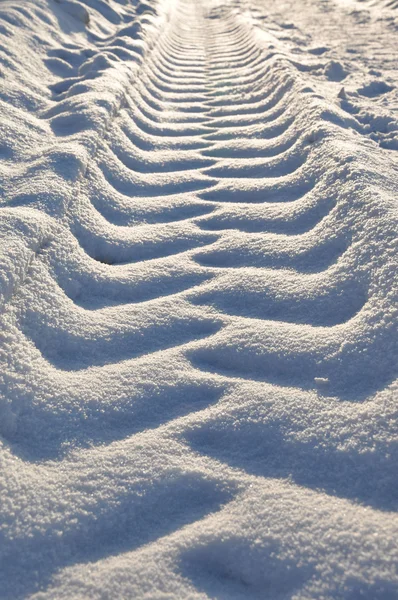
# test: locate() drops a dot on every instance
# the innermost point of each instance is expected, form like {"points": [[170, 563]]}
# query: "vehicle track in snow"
{"points": [[199, 332]]}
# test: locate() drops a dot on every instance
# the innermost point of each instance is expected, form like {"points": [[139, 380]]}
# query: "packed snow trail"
{"points": [[198, 303]]}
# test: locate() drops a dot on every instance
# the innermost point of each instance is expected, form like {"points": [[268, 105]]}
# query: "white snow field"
{"points": [[198, 283]]}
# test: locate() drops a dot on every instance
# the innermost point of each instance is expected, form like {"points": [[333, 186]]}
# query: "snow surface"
{"points": [[198, 292]]}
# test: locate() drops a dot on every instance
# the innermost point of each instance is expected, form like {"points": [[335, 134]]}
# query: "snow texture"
{"points": [[198, 299]]}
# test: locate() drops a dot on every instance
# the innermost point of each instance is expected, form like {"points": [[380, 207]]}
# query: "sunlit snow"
{"points": [[198, 292]]}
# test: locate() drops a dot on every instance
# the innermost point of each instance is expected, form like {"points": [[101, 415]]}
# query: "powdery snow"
{"points": [[198, 292]]}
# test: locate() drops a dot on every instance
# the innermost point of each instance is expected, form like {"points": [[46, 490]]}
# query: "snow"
{"points": [[198, 294]]}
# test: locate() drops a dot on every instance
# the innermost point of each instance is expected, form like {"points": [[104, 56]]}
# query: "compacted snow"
{"points": [[198, 291]]}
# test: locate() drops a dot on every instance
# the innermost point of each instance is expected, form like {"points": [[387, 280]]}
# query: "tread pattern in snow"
{"points": [[199, 340]]}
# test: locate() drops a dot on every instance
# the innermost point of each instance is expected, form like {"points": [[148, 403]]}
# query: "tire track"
{"points": [[209, 279]]}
